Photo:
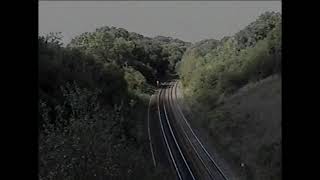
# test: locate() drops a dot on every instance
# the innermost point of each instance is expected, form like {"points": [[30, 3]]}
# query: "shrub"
{"points": [[136, 81], [92, 145]]}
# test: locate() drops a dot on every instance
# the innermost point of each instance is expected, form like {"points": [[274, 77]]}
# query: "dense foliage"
{"points": [[150, 56], [91, 103], [174, 48], [212, 69], [234, 88]]}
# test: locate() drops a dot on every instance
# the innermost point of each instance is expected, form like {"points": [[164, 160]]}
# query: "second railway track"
{"points": [[189, 157], [206, 159]]}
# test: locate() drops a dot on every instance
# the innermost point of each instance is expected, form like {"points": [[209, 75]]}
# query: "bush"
{"points": [[136, 81], [231, 81], [94, 144]]}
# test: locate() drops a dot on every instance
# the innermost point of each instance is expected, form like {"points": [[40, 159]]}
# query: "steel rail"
{"points": [[186, 121]]}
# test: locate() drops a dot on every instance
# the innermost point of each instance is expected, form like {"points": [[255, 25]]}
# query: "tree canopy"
{"points": [[211, 68]]}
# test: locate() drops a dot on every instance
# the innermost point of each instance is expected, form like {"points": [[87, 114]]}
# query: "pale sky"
{"points": [[187, 20]]}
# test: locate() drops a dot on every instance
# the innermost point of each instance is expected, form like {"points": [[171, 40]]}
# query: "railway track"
{"points": [[181, 166], [188, 156], [207, 161]]}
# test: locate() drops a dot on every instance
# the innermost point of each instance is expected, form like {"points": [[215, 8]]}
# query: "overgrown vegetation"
{"points": [[92, 103], [92, 97], [246, 130], [150, 56], [211, 69]]}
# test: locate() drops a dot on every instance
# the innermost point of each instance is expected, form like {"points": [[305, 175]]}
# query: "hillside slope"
{"points": [[246, 128]]}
